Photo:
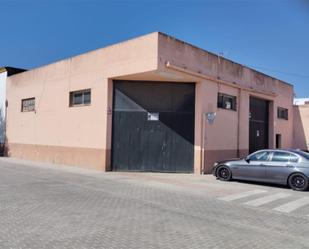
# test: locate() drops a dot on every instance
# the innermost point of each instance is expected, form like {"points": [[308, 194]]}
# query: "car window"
{"points": [[303, 154], [260, 156], [281, 157], [293, 158]]}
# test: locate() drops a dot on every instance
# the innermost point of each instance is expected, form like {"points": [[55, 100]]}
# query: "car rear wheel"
{"points": [[224, 173], [298, 182]]}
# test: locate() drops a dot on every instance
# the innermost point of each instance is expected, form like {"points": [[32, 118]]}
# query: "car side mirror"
{"points": [[247, 159]]}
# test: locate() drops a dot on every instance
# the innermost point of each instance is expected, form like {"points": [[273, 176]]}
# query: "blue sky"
{"points": [[271, 36]]}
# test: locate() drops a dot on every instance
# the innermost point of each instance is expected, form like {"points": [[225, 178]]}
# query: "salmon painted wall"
{"points": [[281, 126], [54, 125], [230, 130], [82, 135]]}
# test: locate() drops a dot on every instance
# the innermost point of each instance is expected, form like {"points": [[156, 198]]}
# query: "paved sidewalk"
{"points": [[49, 206]]}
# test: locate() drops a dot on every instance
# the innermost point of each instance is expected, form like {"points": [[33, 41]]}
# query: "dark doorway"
{"points": [[278, 141], [153, 126], [258, 124]]}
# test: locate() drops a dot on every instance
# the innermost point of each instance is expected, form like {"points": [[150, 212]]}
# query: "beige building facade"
{"points": [[80, 111], [301, 125]]}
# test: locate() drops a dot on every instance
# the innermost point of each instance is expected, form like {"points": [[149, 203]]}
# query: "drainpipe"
{"points": [[203, 142], [238, 123]]}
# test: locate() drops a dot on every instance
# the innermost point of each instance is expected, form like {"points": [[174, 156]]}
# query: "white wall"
{"points": [[3, 77], [301, 101]]}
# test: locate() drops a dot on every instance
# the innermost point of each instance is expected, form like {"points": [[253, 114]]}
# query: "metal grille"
{"points": [[28, 105], [227, 102], [79, 98], [283, 113]]}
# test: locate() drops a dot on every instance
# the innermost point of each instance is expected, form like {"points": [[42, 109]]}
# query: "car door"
{"points": [[254, 168], [280, 166]]}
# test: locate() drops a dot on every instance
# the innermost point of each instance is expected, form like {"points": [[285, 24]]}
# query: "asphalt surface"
{"points": [[53, 206]]}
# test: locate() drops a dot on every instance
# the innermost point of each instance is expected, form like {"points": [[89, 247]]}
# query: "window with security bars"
{"points": [[227, 102], [28, 105], [283, 113], [80, 98]]}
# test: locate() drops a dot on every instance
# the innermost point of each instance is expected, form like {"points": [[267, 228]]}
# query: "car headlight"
{"points": [[215, 164]]}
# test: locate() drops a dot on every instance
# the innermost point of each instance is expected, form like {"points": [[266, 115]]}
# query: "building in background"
{"points": [[301, 101], [301, 123], [4, 73], [153, 103]]}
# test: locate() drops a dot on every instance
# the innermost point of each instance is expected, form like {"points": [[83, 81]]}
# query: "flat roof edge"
{"points": [[92, 51], [214, 54], [13, 71]]}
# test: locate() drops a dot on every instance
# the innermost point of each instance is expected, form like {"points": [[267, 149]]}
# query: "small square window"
{"points": [[80, 98], [282, 113], [227, 102], [28, 105]]}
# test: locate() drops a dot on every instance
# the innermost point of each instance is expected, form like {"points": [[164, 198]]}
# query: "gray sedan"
{"points": [[286, 167]]}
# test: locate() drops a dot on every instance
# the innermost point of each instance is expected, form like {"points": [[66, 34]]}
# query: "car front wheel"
{"points": [[298, 182], [224, 173]]}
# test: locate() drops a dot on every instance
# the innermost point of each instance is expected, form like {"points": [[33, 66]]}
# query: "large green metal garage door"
{"points": [[153, 126]]}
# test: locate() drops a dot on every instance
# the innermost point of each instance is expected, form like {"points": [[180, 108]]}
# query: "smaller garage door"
{"points": [[258, 124]]}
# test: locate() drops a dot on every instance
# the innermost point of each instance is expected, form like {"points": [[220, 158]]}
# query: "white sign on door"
{"points": [[153, 116]]}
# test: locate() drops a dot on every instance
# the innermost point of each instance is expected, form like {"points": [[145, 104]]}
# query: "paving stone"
{"points": [[45, 207]]}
